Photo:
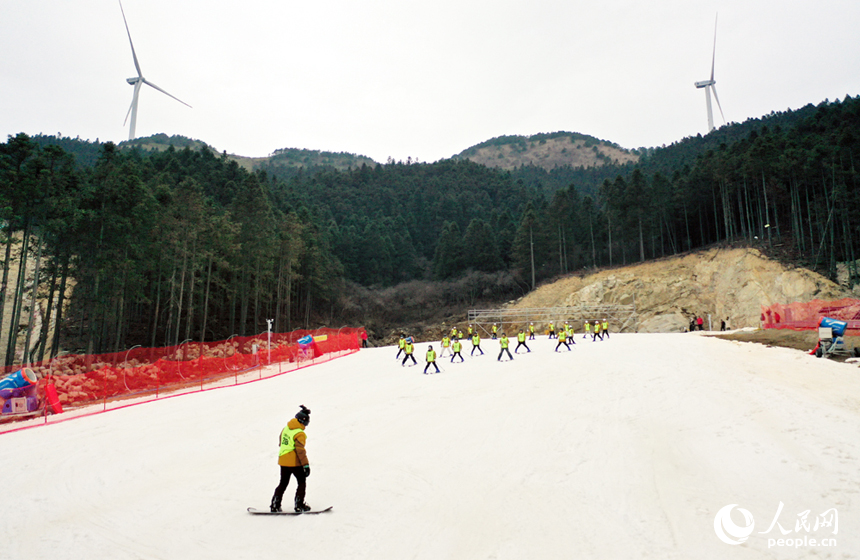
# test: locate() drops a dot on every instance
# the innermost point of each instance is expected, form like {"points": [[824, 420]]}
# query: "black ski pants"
{"points": [[301, 479]]}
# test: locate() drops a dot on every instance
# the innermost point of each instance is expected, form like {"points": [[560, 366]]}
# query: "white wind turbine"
{"points": [[138, 81], [710, 85]]}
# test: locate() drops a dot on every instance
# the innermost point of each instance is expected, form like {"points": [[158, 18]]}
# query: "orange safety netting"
{"points": [[85, 379], [805, 316]]}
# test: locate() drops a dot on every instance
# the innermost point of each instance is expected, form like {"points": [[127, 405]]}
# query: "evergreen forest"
{"points": [[130, 247]]}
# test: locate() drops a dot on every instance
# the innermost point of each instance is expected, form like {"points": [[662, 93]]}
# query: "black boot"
{"points": [[275, 506], [301, 506]]}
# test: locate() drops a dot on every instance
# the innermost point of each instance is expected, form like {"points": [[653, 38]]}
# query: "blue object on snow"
{"points": [[838, 327]]}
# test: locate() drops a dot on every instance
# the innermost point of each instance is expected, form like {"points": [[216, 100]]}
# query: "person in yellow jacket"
{"points": [[596, 331], [521, 341], [456, 346], [587, 329], [293, 461], [431, 359], [531, 331], [446, 346], [476, 344], [495, 331], [562, 339], [401, 344], [552, 330], [605, 328], [504, 343], [409, 348]]}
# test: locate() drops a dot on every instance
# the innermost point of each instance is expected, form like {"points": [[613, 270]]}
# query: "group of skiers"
{"points": [[452, 345]]}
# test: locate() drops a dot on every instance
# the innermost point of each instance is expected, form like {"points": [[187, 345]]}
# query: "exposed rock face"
{"points": [[719, 283]]}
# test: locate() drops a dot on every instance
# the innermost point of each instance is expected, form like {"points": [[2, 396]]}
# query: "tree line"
{"points": [[158, 248]]}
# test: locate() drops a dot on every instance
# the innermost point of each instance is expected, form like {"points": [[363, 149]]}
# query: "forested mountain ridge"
{"points": [[163, 246]]}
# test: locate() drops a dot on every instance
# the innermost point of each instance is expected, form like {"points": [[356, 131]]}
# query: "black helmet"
{"points": [[304, 415]]}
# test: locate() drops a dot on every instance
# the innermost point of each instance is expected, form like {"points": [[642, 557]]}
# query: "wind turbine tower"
{"points": [[710, 86], [137, 82]]}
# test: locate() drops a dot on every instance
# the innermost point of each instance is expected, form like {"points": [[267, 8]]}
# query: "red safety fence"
{"points": [[106, 379], [804, 316]]}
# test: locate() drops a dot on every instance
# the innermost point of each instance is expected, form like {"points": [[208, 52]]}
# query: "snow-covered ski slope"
{"points": [[622, 449]]}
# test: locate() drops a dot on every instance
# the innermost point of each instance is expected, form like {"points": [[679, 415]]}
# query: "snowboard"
{"points": [[264, 512]]}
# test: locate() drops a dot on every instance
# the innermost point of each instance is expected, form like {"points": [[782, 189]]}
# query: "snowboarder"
{"points": [[562, 339], [408, 348], [431, 359], [503, 342], [521, 341], [476, 344], [457, 346], [293, 460], [531, 331], [401, 344]]}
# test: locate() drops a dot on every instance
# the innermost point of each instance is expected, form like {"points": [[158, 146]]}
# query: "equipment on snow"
{"points": [[264, 512]]}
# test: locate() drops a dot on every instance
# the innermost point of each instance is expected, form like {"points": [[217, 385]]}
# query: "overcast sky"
{"points": [[416, 78]]}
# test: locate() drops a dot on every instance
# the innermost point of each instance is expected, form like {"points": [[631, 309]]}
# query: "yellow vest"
{"points": [[457, 346], [562, 336], [402, 342], [446, 342], [288, 440], [408, 348], [521, 337], [431, 355], [504, 341], [476, 340], [587, 327]]}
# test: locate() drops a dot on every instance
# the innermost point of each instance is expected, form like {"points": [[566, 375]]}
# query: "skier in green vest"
{"points": [[476, 344], [400, 344], [521, 341], [409, 348], [446, 346], [431, 359], [503, 342], [293, 461], [531, 331], [562, 339], [587, 329], [456, 346]]}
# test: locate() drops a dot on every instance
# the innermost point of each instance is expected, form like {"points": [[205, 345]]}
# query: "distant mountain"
{"points": [[548, 151]]}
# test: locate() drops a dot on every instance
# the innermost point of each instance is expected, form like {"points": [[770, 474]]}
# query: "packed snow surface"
{"points": [[622, 449]]}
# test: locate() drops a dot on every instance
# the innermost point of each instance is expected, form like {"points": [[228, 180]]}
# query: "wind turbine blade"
{"points": [[133, 54], [718, 102], [714, 54], [150, 84]]}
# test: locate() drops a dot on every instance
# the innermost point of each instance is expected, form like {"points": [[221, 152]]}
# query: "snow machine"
{"points": [[831, 338]]}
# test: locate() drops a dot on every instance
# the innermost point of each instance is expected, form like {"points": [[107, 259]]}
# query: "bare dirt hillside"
{"points": [[722, 283], [549, 153]]}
